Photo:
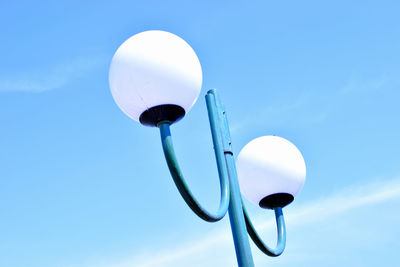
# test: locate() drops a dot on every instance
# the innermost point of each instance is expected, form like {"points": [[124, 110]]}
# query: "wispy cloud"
{"points": [[357, 85], [322, 209], [58, 76], [317, 106], [270, 112]]}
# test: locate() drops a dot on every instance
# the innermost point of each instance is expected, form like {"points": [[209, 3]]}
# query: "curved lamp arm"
{"points": [[179, 180], [280, 244]]}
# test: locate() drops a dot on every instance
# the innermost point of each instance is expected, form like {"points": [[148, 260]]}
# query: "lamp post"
{"points": [[155, 78]]}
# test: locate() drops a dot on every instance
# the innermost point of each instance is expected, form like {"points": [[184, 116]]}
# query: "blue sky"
{"points": [[81, 184]]}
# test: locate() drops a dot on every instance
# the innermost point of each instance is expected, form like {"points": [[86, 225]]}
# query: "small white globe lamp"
{"points": [[271, 171], [155, 76]]}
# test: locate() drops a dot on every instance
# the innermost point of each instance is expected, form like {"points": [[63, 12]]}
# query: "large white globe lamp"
{"points": [[155, 76], [271, 171]]}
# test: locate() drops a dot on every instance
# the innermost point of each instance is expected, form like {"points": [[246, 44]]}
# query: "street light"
{"points": [[155, 78]]}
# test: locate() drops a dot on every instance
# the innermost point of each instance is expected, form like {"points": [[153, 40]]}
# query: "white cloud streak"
{"points": [[323, 101], [319, 210], [49, 79]]}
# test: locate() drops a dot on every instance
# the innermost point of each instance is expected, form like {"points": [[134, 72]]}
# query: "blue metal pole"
{"points": [[219, 122], [177, 175], [230, 192], [281, 231]]}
